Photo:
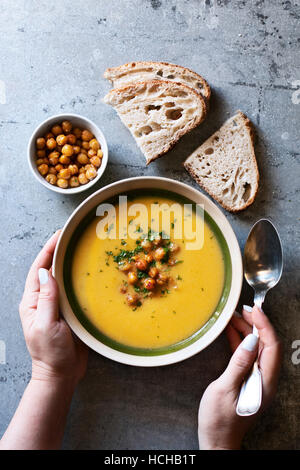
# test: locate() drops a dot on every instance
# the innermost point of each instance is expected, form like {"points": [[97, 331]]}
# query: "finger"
{"points": [[247, 314], [270, 356], [233, 337], [241, 325], [265, 329], [47, 306], [43, 260], [240, 363]]}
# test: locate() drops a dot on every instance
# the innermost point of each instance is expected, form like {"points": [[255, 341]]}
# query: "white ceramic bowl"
{"points": [[218, 217], [77, 121]]}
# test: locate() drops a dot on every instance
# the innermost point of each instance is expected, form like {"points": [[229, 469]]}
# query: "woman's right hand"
{"points": [[219, 425]]}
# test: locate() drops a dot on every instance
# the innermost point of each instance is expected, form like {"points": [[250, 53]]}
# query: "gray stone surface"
{"points": [[53, 55]]}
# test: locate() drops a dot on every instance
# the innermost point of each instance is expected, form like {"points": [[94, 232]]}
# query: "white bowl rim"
{"points": [[214, 331], [100, 136]]}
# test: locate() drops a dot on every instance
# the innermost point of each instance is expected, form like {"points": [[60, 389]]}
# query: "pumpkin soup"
{"points": [[148, 291]]}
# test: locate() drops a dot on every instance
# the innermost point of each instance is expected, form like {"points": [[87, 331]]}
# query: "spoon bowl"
{"points": [[263, 260]]}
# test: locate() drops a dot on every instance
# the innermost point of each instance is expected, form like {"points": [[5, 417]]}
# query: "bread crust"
{"points": [[109, 73], [189, 167], [132, 88]]}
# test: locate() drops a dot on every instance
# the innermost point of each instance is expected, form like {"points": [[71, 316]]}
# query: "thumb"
{"points": [[47, 306], [241, 362]]}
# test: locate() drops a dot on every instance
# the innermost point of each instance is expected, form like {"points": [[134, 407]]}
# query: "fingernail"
{"points": [[250, 343], [247, 308], [43, 276]]}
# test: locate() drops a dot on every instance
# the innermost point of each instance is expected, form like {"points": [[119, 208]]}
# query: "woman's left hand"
{"points": [[56, 353]]}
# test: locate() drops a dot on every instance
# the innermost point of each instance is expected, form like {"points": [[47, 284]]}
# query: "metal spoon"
{"points": [[262, 269]]}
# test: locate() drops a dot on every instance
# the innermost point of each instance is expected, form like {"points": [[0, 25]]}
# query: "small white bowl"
{"points": [[77, 121], [212, 329]]}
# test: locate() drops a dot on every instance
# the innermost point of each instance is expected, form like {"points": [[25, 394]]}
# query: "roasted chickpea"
{"points": [[159, 253], [74, 182], [51, 143], [73, 169], [82, 150], [146, 244], [56, 130], [64, 174], [123, 289], [132, 299], [72, 139], [62, 183], [162, 279], [39, 161], [40, 143], [82, 178], [86, 135], [149, 283], [81, 170], [82, 159], [64, 160], [149, 257], [94, 145], [95, 161], [91, 173], [132, 277], [125, 266], [77, 132], [157, 240], [43, 169], [91, 153], [61, 139], [153, 272], [52, 170], [76, 149], [66, 126], [141, 264], [85, 145], [67, 150], [51, 178], [174, 248], [41, 153], [53, 158], [49, 136], [58, 167], [100, 153]]}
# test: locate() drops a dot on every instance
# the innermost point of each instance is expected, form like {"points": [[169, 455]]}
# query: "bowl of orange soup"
{"points": [[149, 271]]}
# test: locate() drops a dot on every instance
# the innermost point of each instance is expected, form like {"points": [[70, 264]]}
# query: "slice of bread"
{"points": [[142, 71], [157, 113], [225, 164]]}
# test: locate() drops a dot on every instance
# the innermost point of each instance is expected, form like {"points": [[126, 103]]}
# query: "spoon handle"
{"points": [[250, 396]]}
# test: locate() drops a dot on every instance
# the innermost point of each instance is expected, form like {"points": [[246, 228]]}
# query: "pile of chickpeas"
{"points": [[147, 271], [68, 157]]}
